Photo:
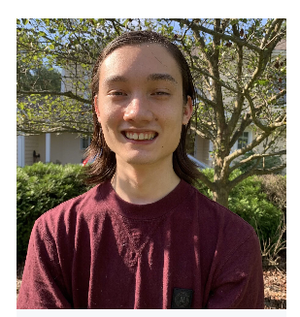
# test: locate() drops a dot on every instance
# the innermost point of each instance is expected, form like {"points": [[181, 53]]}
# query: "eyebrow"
{"points": [[159, 76], [115, 79], [151, 77]]}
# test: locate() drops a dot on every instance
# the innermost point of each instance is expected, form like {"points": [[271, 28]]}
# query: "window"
{"points": [[243, 140], [84, 142]]}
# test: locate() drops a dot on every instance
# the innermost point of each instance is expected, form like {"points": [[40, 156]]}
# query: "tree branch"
{"points": [[273, 33], [220, 81], [240, 98], [255, 171], [31, 131], [196, 28], [53, 93], [246, 121], [207, 101], [203, 135], [202, 178], [246, 149], [264, 57], [255, 110], [255, 157]]}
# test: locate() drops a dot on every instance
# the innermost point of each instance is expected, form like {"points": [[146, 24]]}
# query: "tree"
{"points": [[38, 79], [70, 46], [240, 83]]}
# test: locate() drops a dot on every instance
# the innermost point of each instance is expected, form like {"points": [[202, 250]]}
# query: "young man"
{"points": [[143, 237]]}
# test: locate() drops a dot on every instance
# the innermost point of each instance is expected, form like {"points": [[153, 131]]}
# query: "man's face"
{"points": [[140, 104]]}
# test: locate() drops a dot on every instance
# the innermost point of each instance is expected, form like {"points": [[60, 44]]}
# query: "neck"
{"points": [[140, 185]]}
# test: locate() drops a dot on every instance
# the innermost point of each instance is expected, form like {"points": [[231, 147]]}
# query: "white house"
{"points": [[50, 147]]}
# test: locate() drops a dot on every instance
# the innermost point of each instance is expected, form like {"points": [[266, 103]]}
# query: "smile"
{"points": [[140, 135]]}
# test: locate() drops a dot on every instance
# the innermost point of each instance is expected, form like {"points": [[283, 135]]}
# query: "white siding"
{"points": [[65, 148], [202, 150], [31, 144]]}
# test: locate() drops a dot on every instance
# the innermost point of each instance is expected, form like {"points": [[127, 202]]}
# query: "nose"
{"points": [[138, 110]]}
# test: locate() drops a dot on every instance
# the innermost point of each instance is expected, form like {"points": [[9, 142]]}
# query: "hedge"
{"points": [[41, 187]]}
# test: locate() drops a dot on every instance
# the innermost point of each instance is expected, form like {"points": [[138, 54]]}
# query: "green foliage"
{"points": [[209, 173], [45, 46], [41, 187], [249, 200], [39, 79]]}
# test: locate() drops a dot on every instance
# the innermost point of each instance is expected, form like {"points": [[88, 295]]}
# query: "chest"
{"points": [[129, 264]]}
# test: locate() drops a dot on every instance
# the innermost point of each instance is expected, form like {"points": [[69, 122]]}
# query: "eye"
{"points": [[161, 93], [117, 93]]}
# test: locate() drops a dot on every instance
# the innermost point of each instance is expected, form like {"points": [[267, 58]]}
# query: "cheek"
{"points": [[173, 117], [108, 122], [109, 115], [173, 125]]}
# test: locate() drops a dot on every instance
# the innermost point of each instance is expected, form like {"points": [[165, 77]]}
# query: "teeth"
{"points": [[140, 136]]}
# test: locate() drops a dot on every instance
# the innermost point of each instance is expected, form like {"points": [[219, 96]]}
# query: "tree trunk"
{"points": [[221, 195], [221, 192], [221, 175]]}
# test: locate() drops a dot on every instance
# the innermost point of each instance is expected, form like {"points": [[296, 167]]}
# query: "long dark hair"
{"points": [[104, 165]]}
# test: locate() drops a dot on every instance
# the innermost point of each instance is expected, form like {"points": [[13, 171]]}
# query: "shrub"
{"points": [[275, 188], [41, 187], [271, 248], [209, 172], [250, 202]]}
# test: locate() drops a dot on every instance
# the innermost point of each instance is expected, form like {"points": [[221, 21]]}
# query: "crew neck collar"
{"points": [[148, 211]]}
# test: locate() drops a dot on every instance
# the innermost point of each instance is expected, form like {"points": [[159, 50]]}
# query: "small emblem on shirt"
{"points": [[182, 298]]}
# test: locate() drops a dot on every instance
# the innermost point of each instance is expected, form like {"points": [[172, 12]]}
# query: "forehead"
{"points": [[138, 61]]}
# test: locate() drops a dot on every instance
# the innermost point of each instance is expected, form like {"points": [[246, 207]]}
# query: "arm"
{"points": [[239, 280], [42, 281]]}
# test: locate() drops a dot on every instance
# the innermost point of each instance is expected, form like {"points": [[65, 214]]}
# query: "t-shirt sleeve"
{"points": [[238, 282], [42, 282]]}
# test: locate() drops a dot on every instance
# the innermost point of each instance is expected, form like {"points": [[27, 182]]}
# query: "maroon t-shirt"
{"points": [[183, 251]]}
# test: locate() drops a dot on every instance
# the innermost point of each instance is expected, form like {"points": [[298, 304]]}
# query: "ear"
{"points": [[96, 108], [187, 111]]}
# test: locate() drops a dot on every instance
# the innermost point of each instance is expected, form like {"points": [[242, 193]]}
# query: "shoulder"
{"points": [[224, 237], [68, 213], [217, 220]]}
